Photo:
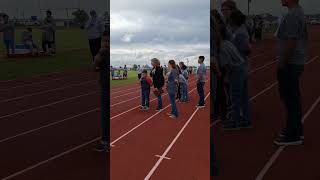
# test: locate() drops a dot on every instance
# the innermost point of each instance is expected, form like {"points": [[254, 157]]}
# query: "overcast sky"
{"points": [[274, 6], [29, 8], [166, 29]]}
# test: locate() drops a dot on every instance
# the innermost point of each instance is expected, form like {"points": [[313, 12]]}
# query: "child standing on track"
{"points": [[8, 34], [201, 79], [146, 83], [101, 63], [172, 81]]}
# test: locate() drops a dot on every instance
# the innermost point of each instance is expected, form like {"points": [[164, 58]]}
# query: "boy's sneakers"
{"points": [[102, 147], [144, 108], [283, 134], [200, 106], [173, 116], [284, 141], [229, 125], [169, 114], [245, 124], [159, 110]]}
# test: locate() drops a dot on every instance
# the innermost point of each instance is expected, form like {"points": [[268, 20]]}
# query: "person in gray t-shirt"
{"points": [[292, 38], [201, 79]]}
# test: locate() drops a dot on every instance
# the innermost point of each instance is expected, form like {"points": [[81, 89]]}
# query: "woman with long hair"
{"points": [[172, 81], [158, 81]]}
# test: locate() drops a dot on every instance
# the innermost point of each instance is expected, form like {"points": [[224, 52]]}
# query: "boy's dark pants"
{"points": [[145, 98], [200, 88], [289, 89], [105, 102]]}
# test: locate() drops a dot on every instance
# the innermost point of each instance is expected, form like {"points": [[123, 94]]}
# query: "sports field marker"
{"points": [[164, 154], [163, 157]]}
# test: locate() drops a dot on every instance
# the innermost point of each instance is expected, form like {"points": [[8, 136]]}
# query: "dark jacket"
{"points": [[157, 77]]}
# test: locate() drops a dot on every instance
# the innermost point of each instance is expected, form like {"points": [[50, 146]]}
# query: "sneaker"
{"points": [[142, 108], [283, 134], [102, 147], [159, 110], [146, 108], [173, 116], [169, 114], [245, 125], [287, 142], [200, 106]]}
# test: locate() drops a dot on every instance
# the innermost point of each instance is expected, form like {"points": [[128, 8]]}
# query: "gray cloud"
{"points": [[143, 29]]}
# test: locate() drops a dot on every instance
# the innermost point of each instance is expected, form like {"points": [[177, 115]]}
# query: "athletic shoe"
{"points": [[102, 147], [169, 114], [173, 116], [142, 108], [245, 124], [146, 108], [159, 110], [283, 134], [287, 142], [200, 106]]}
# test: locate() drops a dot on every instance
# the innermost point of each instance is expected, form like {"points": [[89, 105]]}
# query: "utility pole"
{"points": [[249, 1]]}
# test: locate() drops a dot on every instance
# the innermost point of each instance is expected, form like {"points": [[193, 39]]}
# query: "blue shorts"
{"points": [[8, 43]]}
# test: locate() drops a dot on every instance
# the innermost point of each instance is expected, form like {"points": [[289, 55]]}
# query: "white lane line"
{"points": [[50, 159], [162, 157], [60, 155], [47, 105], [275, 156], [148, 119], [37, 83], [264, 66], [267, 88], [48, 125], [164, 154], [46, 91]]}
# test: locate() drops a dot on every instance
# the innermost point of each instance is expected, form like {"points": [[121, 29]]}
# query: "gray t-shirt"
{"points": [[201, 73], [242, 41], [229, 55], [293, 27]]}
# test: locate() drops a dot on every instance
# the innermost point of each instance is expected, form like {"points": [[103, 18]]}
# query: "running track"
{"points": [[50, 123], [250, 154]]}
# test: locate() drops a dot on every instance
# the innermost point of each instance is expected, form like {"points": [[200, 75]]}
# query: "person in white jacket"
{"points": [[94, 27]]}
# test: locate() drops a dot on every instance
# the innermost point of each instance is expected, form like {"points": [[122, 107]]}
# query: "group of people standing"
{"points": [[47, 26], [230, 47], [176, 80]]}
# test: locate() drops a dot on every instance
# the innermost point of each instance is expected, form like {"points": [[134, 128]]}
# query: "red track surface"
{"points": [[250, 154]]}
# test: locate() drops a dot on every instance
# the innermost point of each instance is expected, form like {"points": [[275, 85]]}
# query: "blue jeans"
{"points": [[200, 88], [159, 102], [239, 95], [105, 101], [145, 98], [184, 92], [172, 97]]}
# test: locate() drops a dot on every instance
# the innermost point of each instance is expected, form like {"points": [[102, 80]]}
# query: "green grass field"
{"points": [[72, 53], [132, 79]]}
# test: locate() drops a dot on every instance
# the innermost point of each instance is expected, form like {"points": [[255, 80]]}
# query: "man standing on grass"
{"points": [[8, 30], [201, 79], [95, 28], [48, 34], [292, 38]]}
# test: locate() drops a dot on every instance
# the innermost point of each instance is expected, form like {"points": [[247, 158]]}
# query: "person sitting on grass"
{"points": [[172, 87], [8, 34], [27, 40], [101, 65], [146, 84]]}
